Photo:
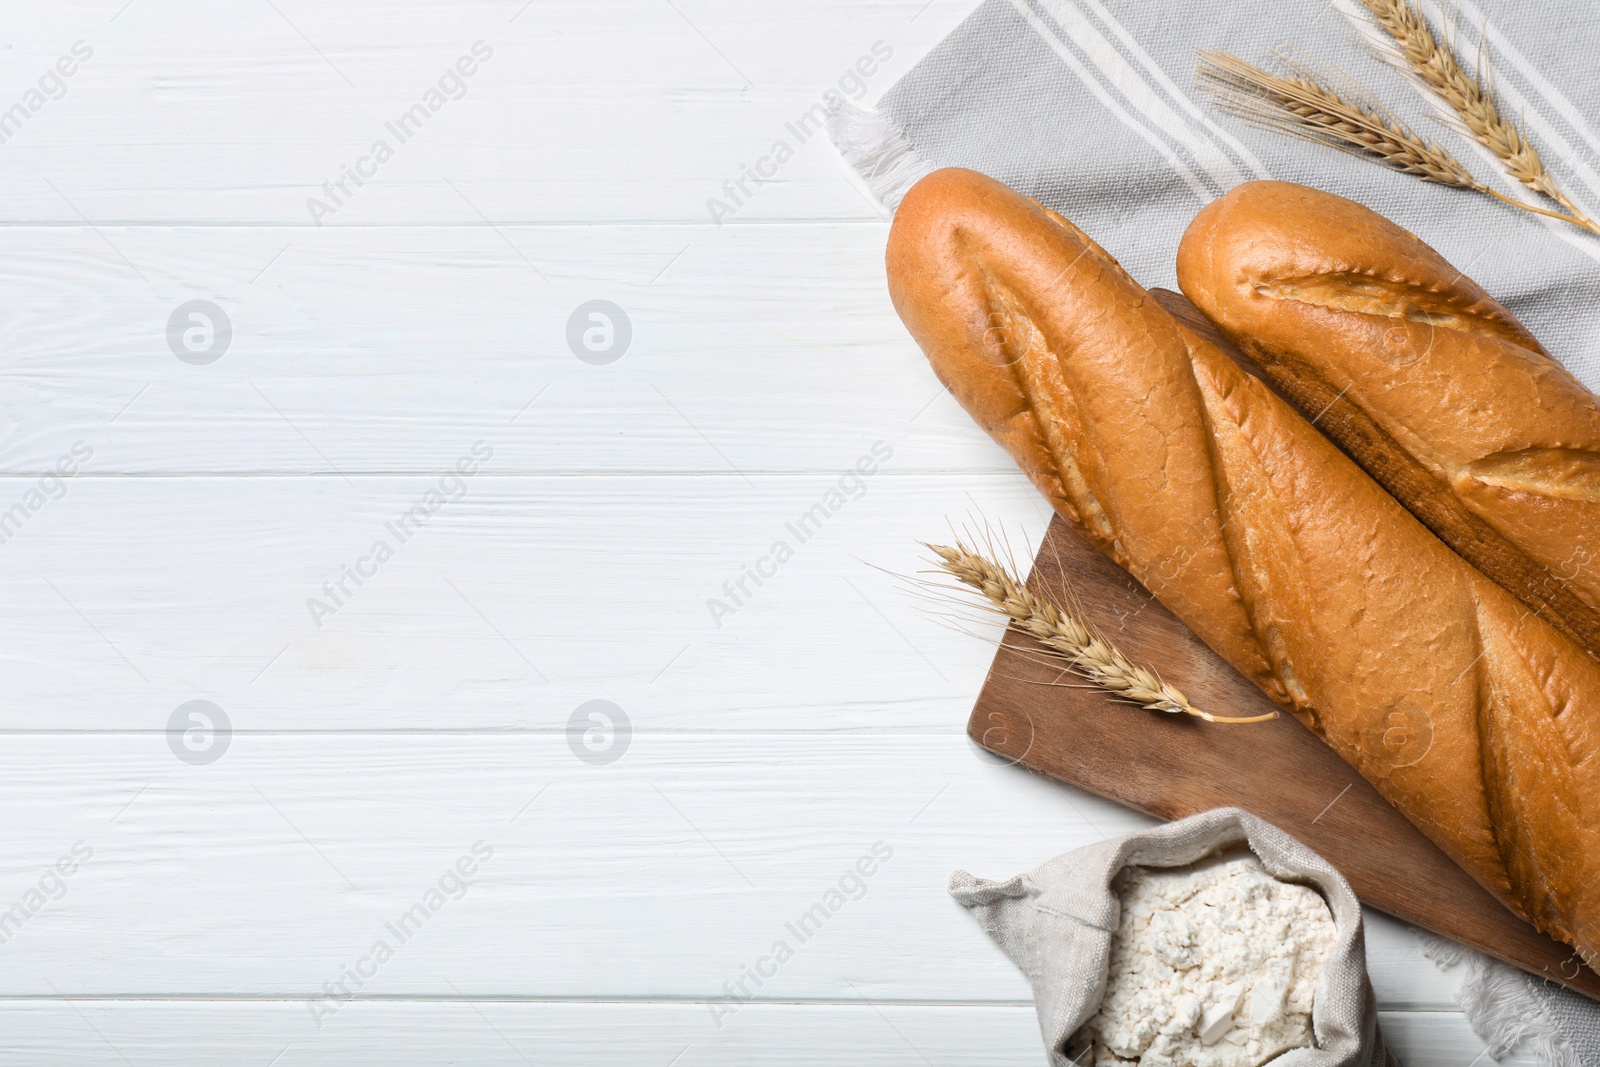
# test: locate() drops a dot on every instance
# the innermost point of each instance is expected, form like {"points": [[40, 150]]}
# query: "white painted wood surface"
{"points": [[373, 744]]}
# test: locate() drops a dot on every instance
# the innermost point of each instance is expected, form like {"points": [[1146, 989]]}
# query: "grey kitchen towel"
{"points": [[1090, 107], [1056, 924], [1510, 1008]]}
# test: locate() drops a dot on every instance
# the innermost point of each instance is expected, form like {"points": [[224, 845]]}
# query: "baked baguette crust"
{"points": [[1428, 383], [1267, 540]]}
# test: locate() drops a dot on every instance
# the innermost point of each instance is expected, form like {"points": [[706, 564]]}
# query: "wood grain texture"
{"points": [[663, 874], [1172, 766], [391, 349], [510, 607], [498, 1033], [611, 110]]}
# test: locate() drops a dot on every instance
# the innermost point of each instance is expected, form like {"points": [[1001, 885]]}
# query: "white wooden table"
{"points": [[395, 724]]}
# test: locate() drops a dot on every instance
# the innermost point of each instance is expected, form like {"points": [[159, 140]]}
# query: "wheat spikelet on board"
{"points": [[1083, 651]]}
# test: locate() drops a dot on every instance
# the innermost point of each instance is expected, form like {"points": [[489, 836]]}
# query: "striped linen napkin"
{"points": [[1090, 107]]}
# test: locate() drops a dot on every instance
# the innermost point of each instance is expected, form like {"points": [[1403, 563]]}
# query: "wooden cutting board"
{"points": [[1171, 766]]}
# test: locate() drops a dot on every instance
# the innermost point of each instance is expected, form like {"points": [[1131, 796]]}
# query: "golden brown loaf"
{"points": [[1475, 718], [1427, 382]]}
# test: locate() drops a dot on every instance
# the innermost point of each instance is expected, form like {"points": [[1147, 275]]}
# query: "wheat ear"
{"points": [[1300, 104], [1419, 54], [1082, 651]]}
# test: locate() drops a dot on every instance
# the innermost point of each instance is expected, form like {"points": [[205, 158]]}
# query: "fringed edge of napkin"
{"points": [[1499, 1003], [879, 151]]}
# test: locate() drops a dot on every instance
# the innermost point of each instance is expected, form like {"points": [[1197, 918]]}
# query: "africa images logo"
{"points": [[737, 192], [451, 85]]}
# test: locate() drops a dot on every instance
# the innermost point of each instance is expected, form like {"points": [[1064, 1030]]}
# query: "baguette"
{"points": [[1423, 379], [1474, 717]]}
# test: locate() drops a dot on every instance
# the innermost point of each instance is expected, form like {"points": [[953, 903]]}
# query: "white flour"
{"points": [[1212, 965]]}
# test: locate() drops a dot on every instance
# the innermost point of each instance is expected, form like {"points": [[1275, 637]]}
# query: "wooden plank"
{"points": [[1173, 766], [498, 1033], [390, 350], [509, 608], [665, 873], [612, 109]]}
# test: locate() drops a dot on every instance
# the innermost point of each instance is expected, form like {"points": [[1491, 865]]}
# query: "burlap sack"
{"points": [[1056, 924]]}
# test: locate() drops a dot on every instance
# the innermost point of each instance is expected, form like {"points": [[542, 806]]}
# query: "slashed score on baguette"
{"points": [[1427, 382]]}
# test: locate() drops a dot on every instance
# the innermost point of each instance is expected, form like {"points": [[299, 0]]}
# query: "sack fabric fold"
{"points": [[1056, 923]]}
